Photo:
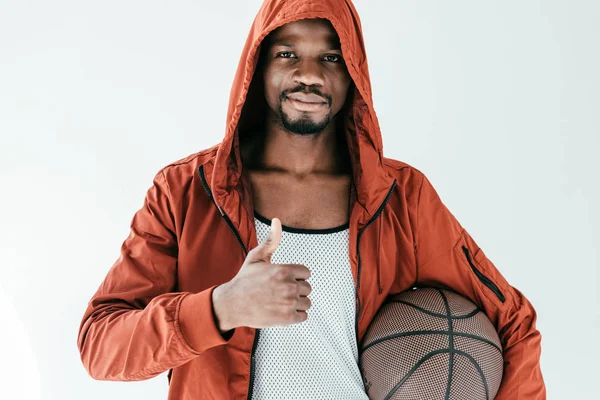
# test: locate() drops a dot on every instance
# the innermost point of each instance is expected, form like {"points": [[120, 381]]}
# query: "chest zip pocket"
{"points": [[484, 279]]}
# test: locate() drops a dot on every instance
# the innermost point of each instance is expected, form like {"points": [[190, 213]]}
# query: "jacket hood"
{"points": [[360, 124]]}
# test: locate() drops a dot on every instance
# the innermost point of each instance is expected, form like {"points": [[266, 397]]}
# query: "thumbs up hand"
{"points": [[263, 294]]}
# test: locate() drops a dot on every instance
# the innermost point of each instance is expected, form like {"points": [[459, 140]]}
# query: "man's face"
{"points": [[306, 80]]}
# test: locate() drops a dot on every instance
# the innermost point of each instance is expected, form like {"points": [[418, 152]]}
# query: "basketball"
{"points": [[429, 343]]}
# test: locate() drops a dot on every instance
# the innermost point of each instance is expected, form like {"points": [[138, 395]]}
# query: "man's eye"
{"points": [[285, 53], [333, 58]]}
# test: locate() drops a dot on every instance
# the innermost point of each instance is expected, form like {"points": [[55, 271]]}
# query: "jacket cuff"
{"points": [[197, 321]]}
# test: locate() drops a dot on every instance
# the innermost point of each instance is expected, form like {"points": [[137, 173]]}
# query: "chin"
{"points": [[304, 126]]}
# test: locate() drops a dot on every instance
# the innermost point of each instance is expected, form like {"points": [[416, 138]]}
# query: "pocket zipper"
{"points": [[484, 279]]}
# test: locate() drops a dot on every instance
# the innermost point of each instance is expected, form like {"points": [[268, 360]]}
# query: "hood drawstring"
{"points": [[379, 258]]}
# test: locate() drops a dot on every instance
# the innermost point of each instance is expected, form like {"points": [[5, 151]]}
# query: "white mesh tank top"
{"points": [[317, 358]]}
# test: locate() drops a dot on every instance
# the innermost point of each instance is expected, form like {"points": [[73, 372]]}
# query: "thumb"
{"points": [[266, 249]]}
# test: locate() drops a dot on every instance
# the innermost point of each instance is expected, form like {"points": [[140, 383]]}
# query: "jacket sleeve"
{"points": [[448, 256], [135, 326]]}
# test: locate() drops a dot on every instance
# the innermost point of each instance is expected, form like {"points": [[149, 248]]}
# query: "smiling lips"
{"points": [[306, 102]]}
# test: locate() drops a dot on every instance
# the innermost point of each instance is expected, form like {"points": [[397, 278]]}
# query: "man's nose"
{"points": [[309, 72]]}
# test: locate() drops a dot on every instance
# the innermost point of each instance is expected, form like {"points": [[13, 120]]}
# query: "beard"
{"points": [[303, 125]]}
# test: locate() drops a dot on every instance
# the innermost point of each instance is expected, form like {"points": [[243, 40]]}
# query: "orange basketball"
{"points": [[429, 343]]}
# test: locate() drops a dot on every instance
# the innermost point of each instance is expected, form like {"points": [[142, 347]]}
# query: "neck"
{"points": [[299, 155]]}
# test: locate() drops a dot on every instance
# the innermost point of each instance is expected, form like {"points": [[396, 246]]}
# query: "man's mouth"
{"points": [[309, 105], [307, 97]]}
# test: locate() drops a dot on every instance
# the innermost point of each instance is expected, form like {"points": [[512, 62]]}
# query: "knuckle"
{"points": [[279, 273], [289, 301], [289, 290]]}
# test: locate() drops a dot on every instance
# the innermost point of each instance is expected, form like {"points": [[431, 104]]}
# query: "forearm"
{"points": [[121, 343]]}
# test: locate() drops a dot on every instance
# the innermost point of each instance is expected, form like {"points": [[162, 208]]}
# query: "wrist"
{"points": [[221, 308]]}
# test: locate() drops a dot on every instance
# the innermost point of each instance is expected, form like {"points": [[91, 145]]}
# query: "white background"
{"points": [[497, 102]]}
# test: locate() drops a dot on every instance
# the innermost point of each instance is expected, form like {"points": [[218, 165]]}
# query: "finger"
{"points": [[300, 271], [265, 250], [304, 288], [304, 304]]}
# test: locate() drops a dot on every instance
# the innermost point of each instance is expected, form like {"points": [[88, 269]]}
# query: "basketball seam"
{"points": [[479, 370], [450, 343], [413, 369], [433, 314], [431, 332]]}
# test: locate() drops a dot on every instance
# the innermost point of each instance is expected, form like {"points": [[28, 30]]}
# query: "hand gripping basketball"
{"points": [[263, 294]]}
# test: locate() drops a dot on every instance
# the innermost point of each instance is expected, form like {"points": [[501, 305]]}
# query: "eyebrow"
{"points": [[333, 42], [280, 42]]}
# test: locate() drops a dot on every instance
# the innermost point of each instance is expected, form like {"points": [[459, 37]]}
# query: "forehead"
{"points": [[305, 30]]}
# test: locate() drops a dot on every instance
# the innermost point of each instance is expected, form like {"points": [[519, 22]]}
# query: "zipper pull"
{"points": [[221, 211]]}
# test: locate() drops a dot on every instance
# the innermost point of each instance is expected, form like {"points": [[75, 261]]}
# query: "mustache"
{"points": [[306, 89]]}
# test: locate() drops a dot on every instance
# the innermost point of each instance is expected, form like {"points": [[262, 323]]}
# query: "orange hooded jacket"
{"points": [[153, 311]]}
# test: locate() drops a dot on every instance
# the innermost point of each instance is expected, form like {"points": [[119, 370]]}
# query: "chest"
{"points": [[315, 203], [210, 243]]}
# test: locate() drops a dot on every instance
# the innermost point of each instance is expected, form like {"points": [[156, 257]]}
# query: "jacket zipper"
{"points": [[209, 192], [373, 218], [239, 240], [484, 279], [379, 259]]}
